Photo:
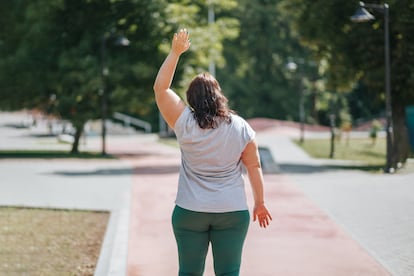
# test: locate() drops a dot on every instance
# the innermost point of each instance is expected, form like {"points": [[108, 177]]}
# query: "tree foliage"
{"points": [[50, 57], [255, 76], [355, 53]]}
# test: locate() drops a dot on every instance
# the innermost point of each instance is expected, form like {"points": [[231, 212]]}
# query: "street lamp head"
{"points": [[362, 15]]}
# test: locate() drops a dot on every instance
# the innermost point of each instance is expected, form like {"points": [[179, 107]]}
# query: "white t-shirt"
{"points": [[211, 173]]}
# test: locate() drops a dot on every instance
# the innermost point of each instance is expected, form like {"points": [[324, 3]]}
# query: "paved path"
{"points": [[376, 210], [325, 222], [302, 240]]}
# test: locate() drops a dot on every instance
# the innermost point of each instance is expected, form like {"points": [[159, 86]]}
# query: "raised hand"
{"points": [[180, 42]]}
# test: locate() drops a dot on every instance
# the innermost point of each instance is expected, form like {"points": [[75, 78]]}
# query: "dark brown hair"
{"points": [[207, 101]]}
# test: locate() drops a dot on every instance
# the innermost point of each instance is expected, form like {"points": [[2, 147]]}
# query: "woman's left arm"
{"points": [[169, 103], [251, 159]]}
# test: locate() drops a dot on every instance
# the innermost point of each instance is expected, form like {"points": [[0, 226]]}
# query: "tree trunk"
{"points": [[401, 145], [78, 134]]}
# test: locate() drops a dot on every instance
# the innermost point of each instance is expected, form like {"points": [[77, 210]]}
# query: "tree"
{"points": [[55, 48], [50, 53], [255, 77], [355, 53]]}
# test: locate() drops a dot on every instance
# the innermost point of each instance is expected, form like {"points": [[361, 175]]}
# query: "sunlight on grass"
{"points": [[358, 149]]}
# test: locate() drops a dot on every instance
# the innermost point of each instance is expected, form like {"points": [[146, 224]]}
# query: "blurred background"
{"points": [[295, 60]]}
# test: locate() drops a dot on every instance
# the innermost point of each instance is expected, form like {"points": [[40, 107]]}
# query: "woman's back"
{"points": [[211, 167]]}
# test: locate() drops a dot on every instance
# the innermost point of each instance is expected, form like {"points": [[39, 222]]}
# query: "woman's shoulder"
{"points": [[184, 115], [185, 120], [237, 119]]}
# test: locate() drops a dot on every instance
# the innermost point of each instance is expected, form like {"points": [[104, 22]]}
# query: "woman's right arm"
{"points": [[251, 160], [169, 103]]}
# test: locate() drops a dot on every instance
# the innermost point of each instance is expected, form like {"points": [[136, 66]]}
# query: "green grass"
{"points": [[45, 154], [368, 155]]}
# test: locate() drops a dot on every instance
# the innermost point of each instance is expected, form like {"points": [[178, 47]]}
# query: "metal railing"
{"points": [[129, 120]]}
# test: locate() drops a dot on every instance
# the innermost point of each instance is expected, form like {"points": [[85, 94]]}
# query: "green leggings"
{"points": [[195, 230]]}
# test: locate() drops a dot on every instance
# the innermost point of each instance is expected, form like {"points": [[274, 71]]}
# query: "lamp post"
{"points": [[211, 19], [362, 15], [332, 118], [118, 40], [293, 67]]}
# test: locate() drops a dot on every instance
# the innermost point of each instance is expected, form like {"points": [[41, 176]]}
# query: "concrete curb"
{"points": [[114, 251]]}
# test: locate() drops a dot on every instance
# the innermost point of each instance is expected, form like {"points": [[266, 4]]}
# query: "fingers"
{"points": [[263, 217], [183, 32], [182, 35], [181, 41], [264, 221]]}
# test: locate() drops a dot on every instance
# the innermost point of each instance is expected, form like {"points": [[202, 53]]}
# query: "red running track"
{"points": [[301, 240]]}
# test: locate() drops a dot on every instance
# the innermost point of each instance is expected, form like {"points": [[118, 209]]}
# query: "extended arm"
{"points": [[169, 103], [250, 158]]}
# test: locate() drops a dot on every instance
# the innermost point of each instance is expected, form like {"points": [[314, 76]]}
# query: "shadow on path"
{"points": [[310, 169], [141, 170]]}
